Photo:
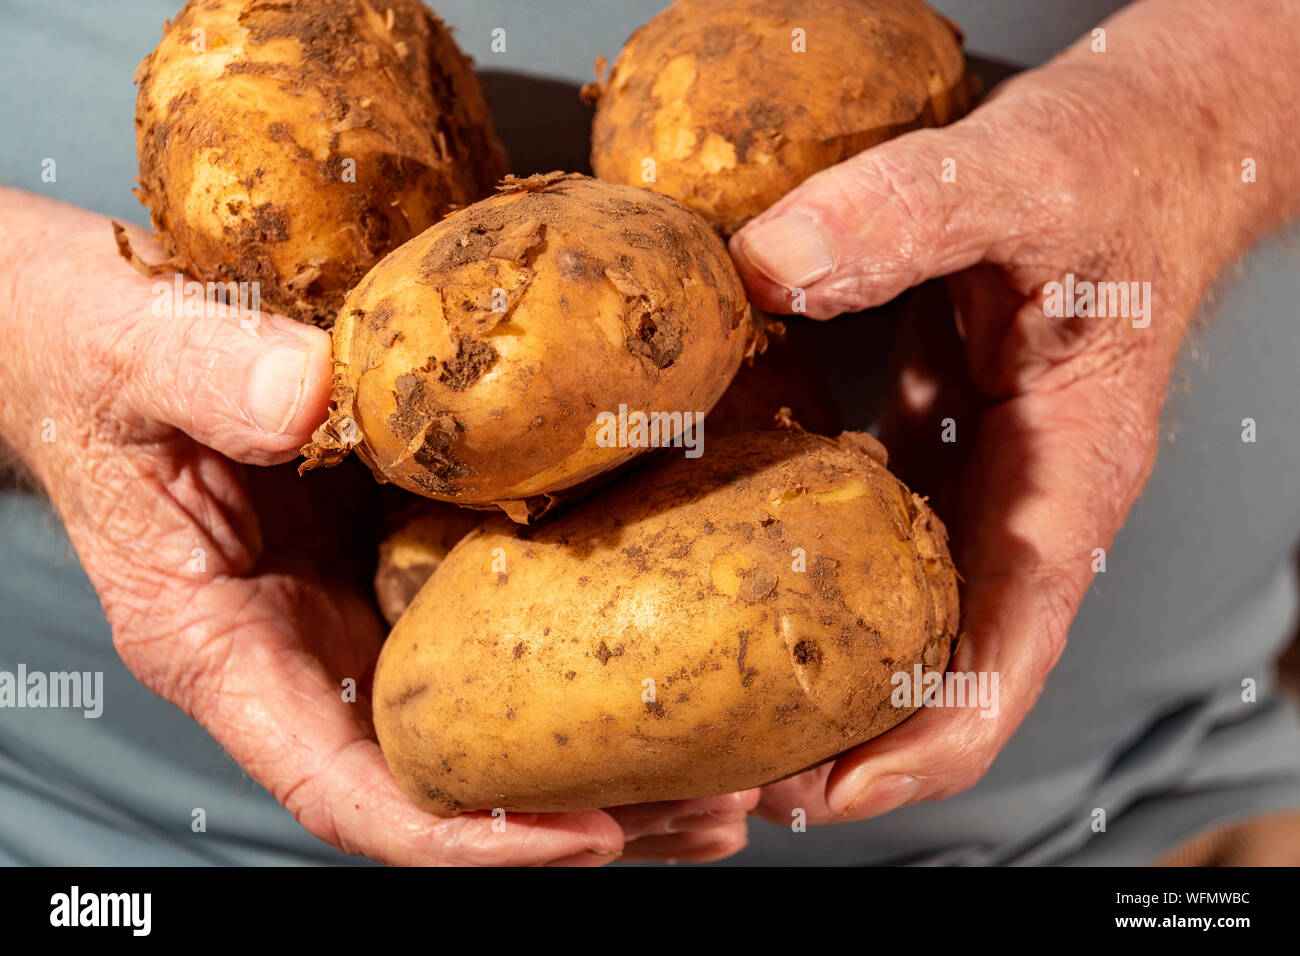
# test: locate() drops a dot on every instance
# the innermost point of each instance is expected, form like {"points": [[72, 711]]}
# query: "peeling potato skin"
{"points": [[243, 146], [609, 295], [522, 685], [412, 551], [734, 118]]}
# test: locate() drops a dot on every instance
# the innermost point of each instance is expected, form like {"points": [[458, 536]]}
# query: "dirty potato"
{"points": [[473, 365], [728, 105], [421, 537], [779, 383], [702, 627], [294, 144]]}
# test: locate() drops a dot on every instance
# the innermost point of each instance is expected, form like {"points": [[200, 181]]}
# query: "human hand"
{"points": [[237, 593], [1079, 168]]}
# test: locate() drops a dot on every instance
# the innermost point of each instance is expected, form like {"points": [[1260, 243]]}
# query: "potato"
{"points": [[728, 105], [704, 626], [421, 532], [473, 364], [421, 538], [294, 144]]}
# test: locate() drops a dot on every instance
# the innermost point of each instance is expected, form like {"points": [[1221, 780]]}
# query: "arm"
{"points": [[1123, 166], [134, 423], [118, 411]]}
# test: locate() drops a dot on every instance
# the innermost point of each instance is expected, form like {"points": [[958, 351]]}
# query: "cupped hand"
{"points": [[238, 593], [1033, 432]]}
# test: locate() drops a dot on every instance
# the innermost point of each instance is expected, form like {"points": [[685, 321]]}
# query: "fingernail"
{"points": [[604, 852], [790, 250], [276, 387], [677, 824], [882, 795]]}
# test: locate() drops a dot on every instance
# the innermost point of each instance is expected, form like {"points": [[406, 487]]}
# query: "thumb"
{"points": [[251, 385], [858, 234]]}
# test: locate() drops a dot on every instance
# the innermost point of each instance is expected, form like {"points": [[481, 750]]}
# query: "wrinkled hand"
{"points": [[240, 594], [1062, 171]]}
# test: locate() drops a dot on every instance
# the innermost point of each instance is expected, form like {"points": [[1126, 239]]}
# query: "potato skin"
{"points": [[422, 536], [245, 146], [518, 677], [779, 383], [714, 93], [422, 532], [608, 295]]}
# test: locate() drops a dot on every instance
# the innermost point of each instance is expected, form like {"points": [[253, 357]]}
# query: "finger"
{"points": [[1052, 477], [586, 858], [801, 797], [857, 234], [352, 802], [702, 846], [249, 384], [234, 658], [673, 816]]}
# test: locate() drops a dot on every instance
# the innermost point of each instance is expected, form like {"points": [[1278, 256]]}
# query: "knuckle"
{"points": [[1054, 125], [139, 355], [302, 796], [733, 840], [313, 798], [891, 180], [173, 375], [889, 214], [968, 758], [1054, 353], [971, 762], [96, 371], [307, 804], [968, 780], [914, 198], [189, 379]]}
